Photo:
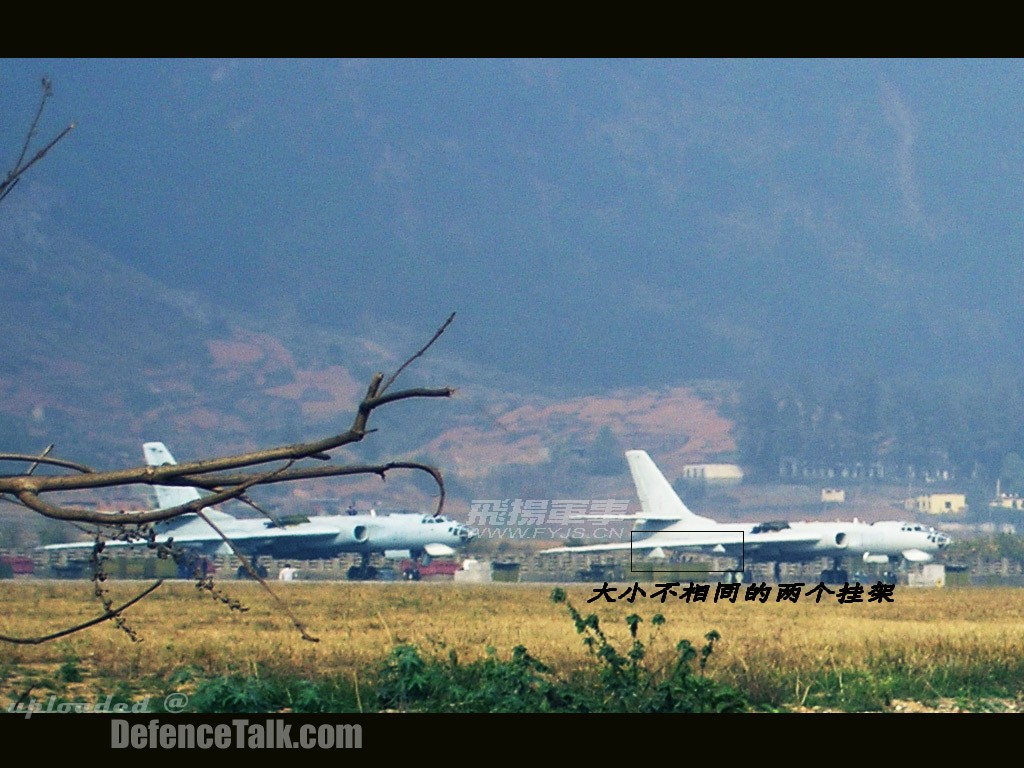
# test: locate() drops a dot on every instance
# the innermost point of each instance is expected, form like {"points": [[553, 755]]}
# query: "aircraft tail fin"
{"points": [[658, 499], [166, 495]]}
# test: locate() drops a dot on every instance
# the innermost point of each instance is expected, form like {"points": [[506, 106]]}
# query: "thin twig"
{"points": [[247, 564], [43, 459], [47, 93], [35, 464], [12, 176], [106, 616], [425, 347]]}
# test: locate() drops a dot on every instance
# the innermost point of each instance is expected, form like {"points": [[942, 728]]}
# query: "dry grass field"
{"points": [[947, 648]]}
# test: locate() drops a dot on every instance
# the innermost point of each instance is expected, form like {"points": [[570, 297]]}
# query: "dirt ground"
{"points": [[942, 706]]}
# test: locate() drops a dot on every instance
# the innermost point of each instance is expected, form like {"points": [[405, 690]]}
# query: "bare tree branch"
{"points": [[223, 476], [220, 476], [27, 488], [20, 167], [213, 482], [424, 348]]}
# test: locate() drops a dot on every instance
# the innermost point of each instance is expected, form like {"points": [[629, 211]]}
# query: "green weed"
{"points": [[236, 693]]}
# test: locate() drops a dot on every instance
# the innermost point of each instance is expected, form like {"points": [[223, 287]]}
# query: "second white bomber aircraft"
{"points": [[666, 523]]}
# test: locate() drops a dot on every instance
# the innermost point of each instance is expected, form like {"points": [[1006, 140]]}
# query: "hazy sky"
{"points": [[595, 223]]}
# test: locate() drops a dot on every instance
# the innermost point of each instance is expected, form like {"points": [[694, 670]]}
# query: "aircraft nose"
{"points": [[467, 534]]}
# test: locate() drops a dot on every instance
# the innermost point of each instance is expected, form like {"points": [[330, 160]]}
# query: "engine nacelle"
{"points": [[881, 559], [849, 539], [358, 533]]}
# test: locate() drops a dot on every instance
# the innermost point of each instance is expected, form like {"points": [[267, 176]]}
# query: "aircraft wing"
{"points": [[615, 547], [89, 545], [786, 537], [625, 516], [211, 540], [725, 542]]}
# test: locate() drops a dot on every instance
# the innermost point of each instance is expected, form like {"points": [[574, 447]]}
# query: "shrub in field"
{"points": [[70, 671], [407, 681], [628, 683], [622, 682]]}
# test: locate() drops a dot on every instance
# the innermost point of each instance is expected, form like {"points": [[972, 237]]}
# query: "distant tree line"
{"points": [[888, 430]]}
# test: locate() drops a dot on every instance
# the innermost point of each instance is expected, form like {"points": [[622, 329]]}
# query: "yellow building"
{"points": [[724, 474], [1006, 501], [937, 504]]}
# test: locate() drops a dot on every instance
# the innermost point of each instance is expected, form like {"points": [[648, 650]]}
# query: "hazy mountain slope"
{"points": [[99, 358], [596, 223]]}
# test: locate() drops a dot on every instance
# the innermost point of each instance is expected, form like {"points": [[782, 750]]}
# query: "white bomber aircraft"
{"points": [[404, 535], [666, 524]]}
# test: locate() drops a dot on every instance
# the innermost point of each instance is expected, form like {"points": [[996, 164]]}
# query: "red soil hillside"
{"points": [[678, 426]]}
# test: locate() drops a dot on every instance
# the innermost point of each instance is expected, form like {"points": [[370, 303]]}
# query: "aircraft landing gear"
{"points": [[362, 572], [411, 572], [191, 566], [836, 574], [778, 572], [243, 572], [359, 573]]}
